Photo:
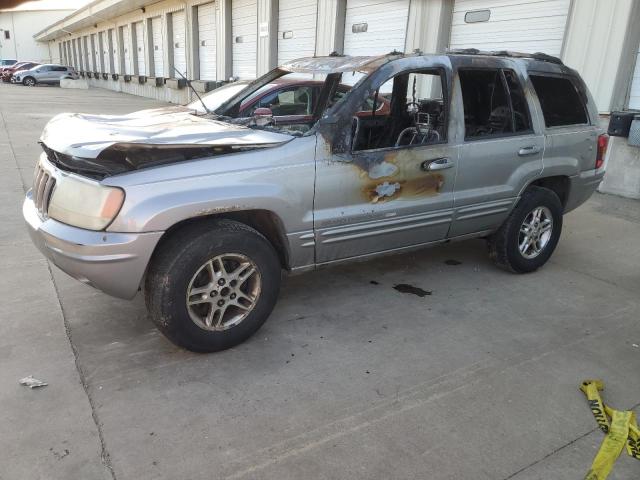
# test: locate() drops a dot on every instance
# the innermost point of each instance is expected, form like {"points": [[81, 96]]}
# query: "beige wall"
{"points": [[22, 25]]}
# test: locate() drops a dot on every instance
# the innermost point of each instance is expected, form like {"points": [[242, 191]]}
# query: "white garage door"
{"points": [[634, 97], [178, 44], [141, 54], [510, 25], [375, 27], [115, 53], [296, 29], [126, 49], [87, 53], [207, 41], [95, 48], [104, 48], [158, 51], [244, 30]]}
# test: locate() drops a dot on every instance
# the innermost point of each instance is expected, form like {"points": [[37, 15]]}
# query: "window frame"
{"points": [[505, 85], [581, 97], [442, 74]]}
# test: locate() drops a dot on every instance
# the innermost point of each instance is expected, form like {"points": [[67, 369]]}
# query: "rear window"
{"points": [[561, 103]]}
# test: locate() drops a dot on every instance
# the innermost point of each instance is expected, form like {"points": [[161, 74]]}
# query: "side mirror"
{"points": [[263, 112], [38, 71]]}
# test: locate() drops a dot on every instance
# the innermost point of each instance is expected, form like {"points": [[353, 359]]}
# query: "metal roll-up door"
{"points": [[95, 47], [207, 41], [178, 44], [510, 25], [76, 58], [141, 54], [158, 51], [115, 52], [634, 94], [296, 29], [104, 52], [87, 53], [244, 32], [375, 27], [126, 49]]}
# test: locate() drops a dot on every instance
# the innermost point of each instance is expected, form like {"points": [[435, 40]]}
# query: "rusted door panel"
{"points": [[381, 200], [491, 175]]}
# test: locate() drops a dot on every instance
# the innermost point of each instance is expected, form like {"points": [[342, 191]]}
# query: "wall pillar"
{"points": [[330, 26], [224, 42], [267, 47], [429, 26]]}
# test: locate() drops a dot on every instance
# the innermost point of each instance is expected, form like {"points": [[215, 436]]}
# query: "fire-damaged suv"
{"points": [[203, 210]]}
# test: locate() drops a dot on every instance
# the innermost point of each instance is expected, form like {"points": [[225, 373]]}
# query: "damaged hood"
{"points": [[86, 136]]}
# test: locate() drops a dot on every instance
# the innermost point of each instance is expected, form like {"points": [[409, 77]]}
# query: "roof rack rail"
{"points": [[543, 57]]}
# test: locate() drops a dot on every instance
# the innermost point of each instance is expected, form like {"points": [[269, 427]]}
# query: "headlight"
{"points": [[84, 203]]}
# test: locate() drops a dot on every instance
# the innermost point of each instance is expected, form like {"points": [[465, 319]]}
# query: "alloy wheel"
{"points": [[223, 291], [535, 232]]}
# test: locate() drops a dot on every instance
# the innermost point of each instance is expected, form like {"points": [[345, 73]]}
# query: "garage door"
{"points": [[207, 41], [126, 49], [296, 29], [87, 53], [634, 96], [95, 48], [115, 53], [510, 25], [141, 54], [104, 51], [244, 30], [158, 51], [375, 27], [178, 43]]}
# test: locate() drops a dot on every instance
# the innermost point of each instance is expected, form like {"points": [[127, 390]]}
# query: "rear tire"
{"points": [[29, 81], [528, 237], [212, 285]]}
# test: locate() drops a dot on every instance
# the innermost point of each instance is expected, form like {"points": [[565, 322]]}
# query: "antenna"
{"points": [[193, 90]]}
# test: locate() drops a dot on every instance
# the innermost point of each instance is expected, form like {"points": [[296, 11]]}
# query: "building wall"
{"points": [[22, 25]]}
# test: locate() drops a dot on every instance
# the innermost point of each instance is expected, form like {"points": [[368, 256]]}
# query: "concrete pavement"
{"points": [[349, 378]]}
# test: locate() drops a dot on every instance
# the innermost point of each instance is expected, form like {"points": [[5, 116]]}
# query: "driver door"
{"points": [[389, 192]]}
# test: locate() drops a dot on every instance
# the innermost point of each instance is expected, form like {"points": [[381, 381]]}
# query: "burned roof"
{"points": [[337, 63]]}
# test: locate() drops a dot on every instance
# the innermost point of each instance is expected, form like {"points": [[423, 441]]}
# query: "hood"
{"points": [[86, 136]]}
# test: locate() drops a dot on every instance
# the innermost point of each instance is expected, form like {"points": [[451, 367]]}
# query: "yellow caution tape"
{"points": [[620, 428]]}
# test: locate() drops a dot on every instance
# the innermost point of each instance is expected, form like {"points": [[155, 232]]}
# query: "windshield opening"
{"points": [[287, 102]]}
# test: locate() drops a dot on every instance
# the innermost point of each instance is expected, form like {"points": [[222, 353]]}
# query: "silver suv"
{"points": [[46, 74], [349, 157]]}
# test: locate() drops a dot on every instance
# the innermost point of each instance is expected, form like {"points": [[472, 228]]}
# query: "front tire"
{"points": [[528, 237], [29, 82], [212, 285]]}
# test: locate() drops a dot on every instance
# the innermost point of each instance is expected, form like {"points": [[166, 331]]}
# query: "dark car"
{"points": [[9, 72]]}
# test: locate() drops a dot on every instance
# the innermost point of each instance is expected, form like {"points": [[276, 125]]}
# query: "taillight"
{"points": [[603, 141]]}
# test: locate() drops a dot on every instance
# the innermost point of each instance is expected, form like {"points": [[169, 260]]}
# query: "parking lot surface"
{"points": [[348, 379]]}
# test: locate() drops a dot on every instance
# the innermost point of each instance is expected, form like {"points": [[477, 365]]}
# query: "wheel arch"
{"points": [[266, 222], [559, 184]]}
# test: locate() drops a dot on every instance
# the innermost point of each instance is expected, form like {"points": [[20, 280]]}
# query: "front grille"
{"points": [[43, 184]]}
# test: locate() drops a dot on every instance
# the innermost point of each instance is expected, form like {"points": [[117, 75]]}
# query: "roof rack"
{"points": [[543, 57]]}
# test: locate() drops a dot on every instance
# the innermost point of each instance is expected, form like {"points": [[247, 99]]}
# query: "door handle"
{"points": [[437, 164], [532, 150]]}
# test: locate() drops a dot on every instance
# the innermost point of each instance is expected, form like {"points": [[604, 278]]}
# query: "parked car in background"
{"points": [[7, 63], [46, 74], [9, 72], [204, 211]]}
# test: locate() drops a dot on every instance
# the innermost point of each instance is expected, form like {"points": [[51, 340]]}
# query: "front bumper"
{"points": [[112, 262]]}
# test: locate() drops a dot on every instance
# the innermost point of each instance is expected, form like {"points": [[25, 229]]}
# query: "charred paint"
{"points": [[396, 174]]}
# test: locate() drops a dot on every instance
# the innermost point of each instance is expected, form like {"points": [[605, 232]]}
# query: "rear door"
{"points": [[502, 148]]}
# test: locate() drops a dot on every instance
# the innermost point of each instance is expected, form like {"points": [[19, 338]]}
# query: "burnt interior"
{"points": [[494, 103], [411, 113], [560, 100]]}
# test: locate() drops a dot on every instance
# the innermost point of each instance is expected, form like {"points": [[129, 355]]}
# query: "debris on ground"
{"points": [[406, 288], [620, 428], [32, 382]]}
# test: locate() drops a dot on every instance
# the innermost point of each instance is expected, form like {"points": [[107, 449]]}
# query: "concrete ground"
{"points": [[349, 378]]}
